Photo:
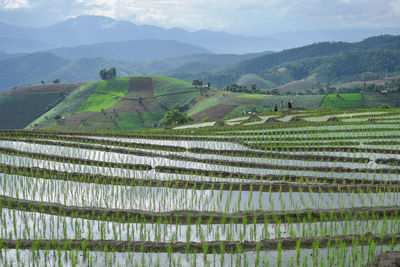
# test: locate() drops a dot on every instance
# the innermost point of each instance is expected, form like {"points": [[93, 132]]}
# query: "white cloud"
{"points": [[256, 17], [13, 4]]}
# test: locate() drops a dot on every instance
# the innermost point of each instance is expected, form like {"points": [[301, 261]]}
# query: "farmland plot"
{"points": [[288, 193]]}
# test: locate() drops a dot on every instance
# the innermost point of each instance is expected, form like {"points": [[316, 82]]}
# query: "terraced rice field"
{"points": [[300, 192]]}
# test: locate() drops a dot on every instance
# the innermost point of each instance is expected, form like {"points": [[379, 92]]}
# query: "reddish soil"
{"points": [[141, 86], [45, 88], [214, 113], [82, 116]]}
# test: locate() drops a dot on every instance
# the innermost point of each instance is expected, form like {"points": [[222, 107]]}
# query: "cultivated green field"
{"points": [[167, 85], [321, 190], [19, 110], [104, 95], [137, 121], [342, 101]]}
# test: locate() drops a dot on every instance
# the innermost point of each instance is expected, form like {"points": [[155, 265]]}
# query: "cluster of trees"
{"points": [[108, 74], [252, 90], [175, 117]]}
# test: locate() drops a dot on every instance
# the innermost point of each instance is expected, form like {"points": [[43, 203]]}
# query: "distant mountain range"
{"points": [[146, 50], [327, 62], [85, 30]]}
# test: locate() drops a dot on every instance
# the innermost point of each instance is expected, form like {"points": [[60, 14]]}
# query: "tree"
{"points": [[253, 86], [108, 74], [42, 82], [175, 117], [197, 83], [56, 80]]}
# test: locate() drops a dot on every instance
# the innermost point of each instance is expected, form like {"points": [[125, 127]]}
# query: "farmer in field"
{"points": [[276, 107], [289, 104], [282, 104]]}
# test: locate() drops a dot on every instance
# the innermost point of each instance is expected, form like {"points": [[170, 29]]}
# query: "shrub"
{"points": [[385, 106]]}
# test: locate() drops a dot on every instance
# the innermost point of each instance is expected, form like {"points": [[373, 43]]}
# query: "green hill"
{"points": [[21, 106], [374, 51], [125, 103]]}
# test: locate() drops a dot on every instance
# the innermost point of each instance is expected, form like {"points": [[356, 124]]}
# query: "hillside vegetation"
{"points": [[17, 111], [327, 62], [124, 103]]}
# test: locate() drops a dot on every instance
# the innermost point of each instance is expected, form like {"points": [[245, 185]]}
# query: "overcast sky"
{"points": [[249, 17]]}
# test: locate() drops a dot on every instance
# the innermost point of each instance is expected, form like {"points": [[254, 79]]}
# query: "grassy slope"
{"points": [[343, 101], [105, 99], [127, 121], [375, 100], [204, 105], [67, 107], [268, 102], [137, 121], [17, 111], [166, 85], [249, 79]]}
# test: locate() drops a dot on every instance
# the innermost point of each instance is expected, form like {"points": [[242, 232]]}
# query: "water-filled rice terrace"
{"points": [[321, 190]]}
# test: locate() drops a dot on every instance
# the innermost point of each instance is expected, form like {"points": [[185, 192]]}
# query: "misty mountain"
{"points": [[28, 69], [13, 45], [86, 29], [147, 50]]}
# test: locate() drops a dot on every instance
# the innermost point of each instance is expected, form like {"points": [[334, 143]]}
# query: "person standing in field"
{"points": [[282, 104], [276, 107], [289, 103]]}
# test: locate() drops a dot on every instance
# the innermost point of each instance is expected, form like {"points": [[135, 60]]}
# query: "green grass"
{"points": [[204, 105], [167, 85], [119, 86], [137, 121], [67, 107], [375, 100], [239, 110], [299, 101], [249, 79], [267, 103], [98, 100], [19, 110], [253, 96], [343, 101]]}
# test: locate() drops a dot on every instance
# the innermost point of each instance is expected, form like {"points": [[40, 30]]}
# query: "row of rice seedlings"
{"points": [[34, 226], [333, 256], [113, 168], [170, 199]]}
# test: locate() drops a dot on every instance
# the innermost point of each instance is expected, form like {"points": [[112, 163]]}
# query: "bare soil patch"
{"points": [[141, 86], [215, 113]]}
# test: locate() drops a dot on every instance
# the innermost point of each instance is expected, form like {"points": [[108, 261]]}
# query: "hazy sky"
{"points": [[250, 17]]}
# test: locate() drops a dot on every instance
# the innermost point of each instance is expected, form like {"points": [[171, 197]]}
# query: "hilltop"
{"points": [[124, 103]]}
